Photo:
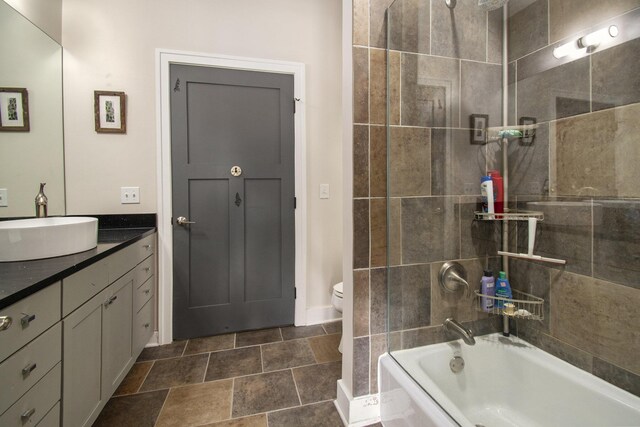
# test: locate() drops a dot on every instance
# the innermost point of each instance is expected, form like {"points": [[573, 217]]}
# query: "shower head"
{"points": [[491, 4]]}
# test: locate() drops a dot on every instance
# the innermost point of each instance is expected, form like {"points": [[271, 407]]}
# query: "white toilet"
{"points": [[336, 300]]}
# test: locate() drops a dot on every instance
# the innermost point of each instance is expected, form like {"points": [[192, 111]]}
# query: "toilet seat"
{"points": [[337, 289]]}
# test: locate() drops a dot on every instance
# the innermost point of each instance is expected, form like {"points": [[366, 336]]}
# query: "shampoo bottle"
{"points": [[486, 190], [503, 289], [487, 284], [498, 190]]}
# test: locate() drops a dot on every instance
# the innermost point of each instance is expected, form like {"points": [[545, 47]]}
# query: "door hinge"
{"points": [[294, 105], [295, 203], [295, 293]]}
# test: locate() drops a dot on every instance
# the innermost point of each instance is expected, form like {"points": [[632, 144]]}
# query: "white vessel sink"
{"points": [[37, 238]]}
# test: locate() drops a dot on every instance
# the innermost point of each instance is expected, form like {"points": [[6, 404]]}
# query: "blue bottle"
{"points": [[503, 289]]}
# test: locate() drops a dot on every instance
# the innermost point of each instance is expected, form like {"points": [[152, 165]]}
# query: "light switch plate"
{"points": [[4, 198], [129, 195], [324, 191]]}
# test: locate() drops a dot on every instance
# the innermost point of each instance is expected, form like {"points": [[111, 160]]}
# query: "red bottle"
{"points": [[498, 190]]}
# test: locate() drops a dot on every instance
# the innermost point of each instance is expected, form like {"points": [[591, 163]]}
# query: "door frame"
{"points": [[164, 58]]}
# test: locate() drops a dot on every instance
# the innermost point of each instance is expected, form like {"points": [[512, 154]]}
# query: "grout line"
{"points": [[293, 377], [153, 362], [206, 368], [162, 407], [261, 360], [233, 390], [235, 340], [185, 348]]}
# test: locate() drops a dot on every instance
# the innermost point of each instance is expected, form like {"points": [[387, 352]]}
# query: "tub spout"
{"points": [[452, 325]]}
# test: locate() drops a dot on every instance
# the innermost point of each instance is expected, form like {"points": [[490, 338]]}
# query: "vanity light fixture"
{"points": [[589, 42]]}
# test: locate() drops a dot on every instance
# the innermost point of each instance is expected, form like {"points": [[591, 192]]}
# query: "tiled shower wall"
{"points": [[444, 65], [584, 166]]}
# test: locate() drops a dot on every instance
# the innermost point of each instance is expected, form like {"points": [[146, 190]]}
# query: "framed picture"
{"points": [[109, 111], [528, 135], [14, 109], [478, 125]]}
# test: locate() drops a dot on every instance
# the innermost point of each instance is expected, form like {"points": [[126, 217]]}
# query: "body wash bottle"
{"points": [[503, 289], [487, 284]]}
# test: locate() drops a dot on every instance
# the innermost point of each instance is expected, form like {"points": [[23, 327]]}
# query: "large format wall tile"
{"points": [[430, 229], [361, 22], [409, 26], [410, 151], [430, 91], [378, 348], [360, 233], [534, 279], [456, 31], [360, 85], [527, 331], [617, 376], [456, 165], [558, 92], [597, 316], [567, 17], [361, 366], [377, 22], [596, 154], [360, 161], [616, 242], [379, 297], [615, 76], [378, 161], [395, 231], [528, 30], [394, 59], [378, 86], [529, 164], [409, 297], [360, 303], [494, 37], [480, 92], [378, 232], [477, 238]]}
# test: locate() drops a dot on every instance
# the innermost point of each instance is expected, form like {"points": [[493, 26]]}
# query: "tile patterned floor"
{"points": [[272, 377]]}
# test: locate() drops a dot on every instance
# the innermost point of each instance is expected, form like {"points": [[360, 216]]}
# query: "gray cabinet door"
{"points": [[232, 136], [116, 332], [82, 364]]}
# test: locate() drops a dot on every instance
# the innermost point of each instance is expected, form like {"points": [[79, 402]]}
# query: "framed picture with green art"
{"points": [[109, 110], [14, 109]]}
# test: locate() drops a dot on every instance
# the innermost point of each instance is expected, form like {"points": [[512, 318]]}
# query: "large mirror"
{"points": [[32, 60]]}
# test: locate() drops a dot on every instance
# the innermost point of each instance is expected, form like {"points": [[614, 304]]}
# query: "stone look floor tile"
{"points": [[168, 351], [194, 405], [317, 383], [254, 421], [245, 339], [322, 414], [175, 372], [293, 332], [138, 410], [207, 344], [325, 348], [264, 392], [132, 382], [333, 327], [234, 363], [287, 354]]}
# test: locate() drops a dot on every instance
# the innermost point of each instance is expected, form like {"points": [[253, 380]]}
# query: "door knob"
{"points": [[184, 221]]}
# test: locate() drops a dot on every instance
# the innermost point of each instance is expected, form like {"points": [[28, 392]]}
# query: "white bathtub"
{"points": [[505, 382]]}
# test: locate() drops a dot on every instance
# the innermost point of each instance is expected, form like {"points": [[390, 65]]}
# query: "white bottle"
{"points": [[486, 190]]}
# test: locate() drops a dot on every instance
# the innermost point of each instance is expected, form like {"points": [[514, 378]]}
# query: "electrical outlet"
{"points": [[4, 197], [324, 191], [129, 195]]}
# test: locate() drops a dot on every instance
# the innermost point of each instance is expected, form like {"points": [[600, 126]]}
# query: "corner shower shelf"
{"points": [[526, 306]]}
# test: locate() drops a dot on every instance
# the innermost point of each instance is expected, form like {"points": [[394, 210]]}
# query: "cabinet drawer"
{"points": [[29, 318], [52, 419], [81, 286], [142, 327], [142, 294], [124, 260], [144, 270], [25, 368], [36, 403]]}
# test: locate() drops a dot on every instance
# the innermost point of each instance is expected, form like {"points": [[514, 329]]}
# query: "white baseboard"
{"points": [[153, 341], [322, 314], [359, 411]]}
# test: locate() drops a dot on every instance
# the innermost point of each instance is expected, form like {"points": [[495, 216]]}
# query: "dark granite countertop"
{"points": [[22, 278]]}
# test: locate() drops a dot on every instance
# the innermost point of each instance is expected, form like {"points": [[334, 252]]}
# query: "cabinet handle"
{"points": [[26, 319], [26, 415], [28, 369], [5, 322], [147, 246], [110, 300]]}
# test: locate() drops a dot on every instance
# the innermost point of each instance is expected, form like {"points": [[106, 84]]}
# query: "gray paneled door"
{"points": [[234, 264]]}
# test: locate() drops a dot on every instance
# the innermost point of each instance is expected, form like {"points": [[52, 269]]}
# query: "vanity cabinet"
{"points": [[102, 337]]}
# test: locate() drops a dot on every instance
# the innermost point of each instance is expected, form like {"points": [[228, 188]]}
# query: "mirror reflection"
{"points": [[31, 60]]}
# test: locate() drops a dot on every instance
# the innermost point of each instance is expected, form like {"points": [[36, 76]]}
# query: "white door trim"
{"points": [[164, 58]]}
